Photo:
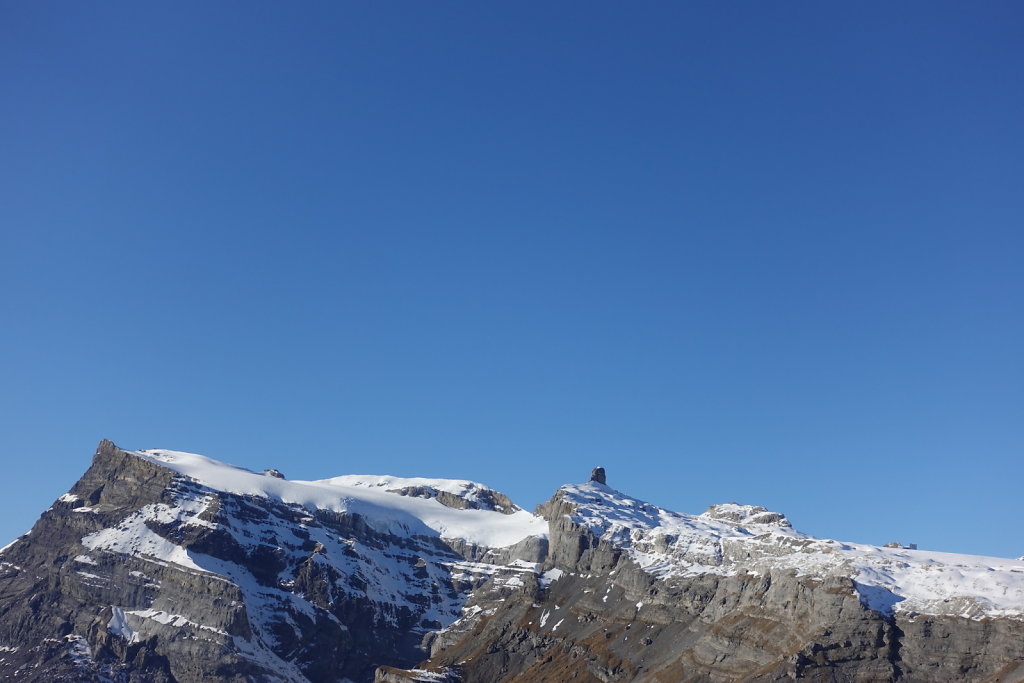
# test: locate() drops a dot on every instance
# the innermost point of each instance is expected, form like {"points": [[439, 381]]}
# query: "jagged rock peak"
{"points": [[598, 475], [107, 447]]}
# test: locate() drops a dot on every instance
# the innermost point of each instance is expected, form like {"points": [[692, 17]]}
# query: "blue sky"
{"points": [[762, 252]]}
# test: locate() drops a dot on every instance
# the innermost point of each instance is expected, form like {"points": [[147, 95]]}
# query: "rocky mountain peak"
{"points": [[459, 494], [745, 515]]}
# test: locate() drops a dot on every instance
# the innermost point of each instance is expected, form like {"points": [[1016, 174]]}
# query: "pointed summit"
{"points": [[597, 474]]}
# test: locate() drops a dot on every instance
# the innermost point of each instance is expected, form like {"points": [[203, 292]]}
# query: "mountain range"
{"points": [[165, 566]]}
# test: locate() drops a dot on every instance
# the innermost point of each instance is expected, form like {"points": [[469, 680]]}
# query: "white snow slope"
{"points": [[385, 511]]}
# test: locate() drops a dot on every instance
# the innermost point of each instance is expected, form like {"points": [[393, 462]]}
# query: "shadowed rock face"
{"points": [[142, 574]]}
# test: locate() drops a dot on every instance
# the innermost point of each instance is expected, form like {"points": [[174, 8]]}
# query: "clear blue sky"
{"points": [[762, 252]]}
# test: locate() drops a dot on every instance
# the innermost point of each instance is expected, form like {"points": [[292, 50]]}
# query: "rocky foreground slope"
{"points": [[166, 566]]}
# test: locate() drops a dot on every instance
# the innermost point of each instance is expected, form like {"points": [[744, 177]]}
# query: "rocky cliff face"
{"points": [[162, 566], [633, 593]]}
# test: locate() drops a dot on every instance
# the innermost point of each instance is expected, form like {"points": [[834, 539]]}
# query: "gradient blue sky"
{"points": [[762, 252]]}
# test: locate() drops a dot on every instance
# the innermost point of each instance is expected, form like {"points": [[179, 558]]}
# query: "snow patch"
{"points": [[133, 537], [118, 625], [78, 651], [550, 576], [512, 582], [175, 620]]}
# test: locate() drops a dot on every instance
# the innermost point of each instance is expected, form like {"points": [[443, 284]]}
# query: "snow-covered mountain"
{"points": [[168, 566], [728, 539]]}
